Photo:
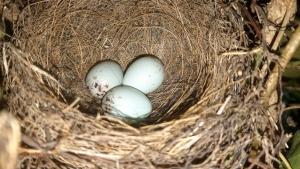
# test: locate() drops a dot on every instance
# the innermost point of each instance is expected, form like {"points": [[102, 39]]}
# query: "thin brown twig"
{"points": [[247, 16], [285, 22], [292, 107]]}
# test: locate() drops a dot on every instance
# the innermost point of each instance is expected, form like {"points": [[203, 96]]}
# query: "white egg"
{"points": [[103, 77], [126, 102], [145, 73]]}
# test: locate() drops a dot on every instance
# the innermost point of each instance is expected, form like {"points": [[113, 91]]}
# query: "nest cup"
{"points": [[59, 41]]}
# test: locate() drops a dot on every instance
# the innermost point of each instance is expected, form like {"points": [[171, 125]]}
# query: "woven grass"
{"points": [[207, 114]]}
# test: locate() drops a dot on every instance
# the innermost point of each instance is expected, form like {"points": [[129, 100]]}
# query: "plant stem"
{"points": [[286, 56]]}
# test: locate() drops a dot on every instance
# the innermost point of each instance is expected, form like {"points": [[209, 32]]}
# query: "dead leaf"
{"points": [[277, 10]]}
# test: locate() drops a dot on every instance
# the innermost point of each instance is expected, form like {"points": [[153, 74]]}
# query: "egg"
{"points": [[127, 103], [103, 77], [146, 74]]}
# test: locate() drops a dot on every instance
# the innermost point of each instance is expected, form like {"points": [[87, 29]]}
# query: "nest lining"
{"points": [[59, 41], [68, 46]]}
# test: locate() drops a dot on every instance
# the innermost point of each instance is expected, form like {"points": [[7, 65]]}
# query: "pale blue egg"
{"points": [[126, 102], [145, 74], [103, 77]]}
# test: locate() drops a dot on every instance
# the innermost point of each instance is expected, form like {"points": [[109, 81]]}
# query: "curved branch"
{"points": [[286, 56]]}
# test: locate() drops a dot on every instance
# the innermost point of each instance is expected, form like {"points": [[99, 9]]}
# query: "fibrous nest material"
{"points": [[207, 113]]}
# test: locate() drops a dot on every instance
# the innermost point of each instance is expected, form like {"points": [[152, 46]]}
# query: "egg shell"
{"points": [[126, 102], [145, 74], [103, 77]]}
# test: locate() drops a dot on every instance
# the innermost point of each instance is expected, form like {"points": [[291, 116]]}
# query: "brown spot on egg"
{"points": [[95, 85]]}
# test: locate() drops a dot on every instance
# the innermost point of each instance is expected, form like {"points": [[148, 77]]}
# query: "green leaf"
{"points": [[294, 152], [292, 70]]}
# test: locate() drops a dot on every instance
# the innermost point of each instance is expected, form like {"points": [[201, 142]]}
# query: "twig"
{"points": [[71, 105], [272, 120], [5, 64], [286, 56], [253, 51], [220, 111], [247, 16], [292, 107], [285, 21], [284, 160], [59, 150], [31, 142], [91, 154], [30, 151]]}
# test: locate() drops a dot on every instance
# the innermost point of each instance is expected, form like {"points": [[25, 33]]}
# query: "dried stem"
{"points": [[286, 56], [285, 161], [283, 25]]}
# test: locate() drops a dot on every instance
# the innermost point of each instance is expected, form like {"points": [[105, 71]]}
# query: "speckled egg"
{"points": [[103, 77], [127, 103]]}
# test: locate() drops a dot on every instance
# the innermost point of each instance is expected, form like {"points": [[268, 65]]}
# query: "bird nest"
{"points": [[207, 113]]}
